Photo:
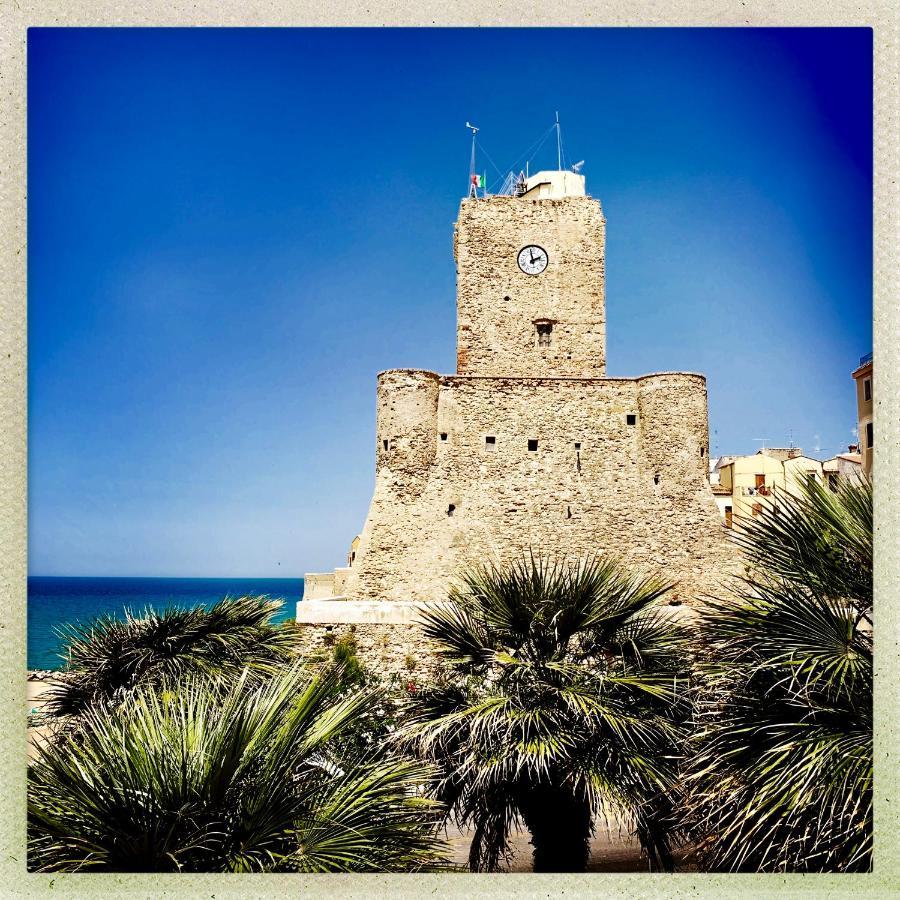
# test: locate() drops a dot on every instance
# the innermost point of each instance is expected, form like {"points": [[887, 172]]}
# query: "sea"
{"points": [[53, 601]]}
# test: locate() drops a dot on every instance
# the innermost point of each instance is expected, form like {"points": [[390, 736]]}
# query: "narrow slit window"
{"points": [[544, 333], [702, 452], [631, 419], [656, 478], [386, 444], [532, 444], [867, 389], [451, 509]]}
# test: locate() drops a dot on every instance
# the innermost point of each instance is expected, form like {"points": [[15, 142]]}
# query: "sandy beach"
{"points": [[35, 688]]}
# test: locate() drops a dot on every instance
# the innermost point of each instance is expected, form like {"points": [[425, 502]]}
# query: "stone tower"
{"points": [[501, 307], [529, 445]]}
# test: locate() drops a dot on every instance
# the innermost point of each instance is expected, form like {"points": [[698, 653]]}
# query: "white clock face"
{"points": [[533, 259]]}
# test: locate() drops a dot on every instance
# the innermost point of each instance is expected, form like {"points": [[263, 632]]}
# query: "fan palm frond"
{"points": [[566, 702], [780, 775], [109, 657], [233, 777]]}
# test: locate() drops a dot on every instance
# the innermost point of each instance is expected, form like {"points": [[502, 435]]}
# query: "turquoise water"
{"points": [[53, 601]]}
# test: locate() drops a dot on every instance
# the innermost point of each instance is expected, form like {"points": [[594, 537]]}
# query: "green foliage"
{"points": [[781, 764], [564, 703], [108, 658], [238, 777], [410, 662], [345, 656]]}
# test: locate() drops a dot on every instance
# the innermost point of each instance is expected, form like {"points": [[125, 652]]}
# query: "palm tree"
{"points": [[562, 704], [242, 777], [109, 657], [781, 765]]}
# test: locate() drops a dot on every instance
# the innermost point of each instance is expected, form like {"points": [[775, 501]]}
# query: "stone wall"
{"points": [[395, 654], [497, 303], [620, 467]]}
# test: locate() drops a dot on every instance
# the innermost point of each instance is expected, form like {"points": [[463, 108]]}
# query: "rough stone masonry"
{"points": [[529, 446]]}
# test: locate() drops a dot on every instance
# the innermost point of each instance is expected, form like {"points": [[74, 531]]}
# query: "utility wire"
{"points": [[527, 155]]}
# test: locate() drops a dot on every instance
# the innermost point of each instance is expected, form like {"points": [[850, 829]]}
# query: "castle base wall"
{"points": [[503, 466]]}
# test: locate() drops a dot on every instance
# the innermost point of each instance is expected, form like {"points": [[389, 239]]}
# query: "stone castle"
{"points": [[529, 446]]}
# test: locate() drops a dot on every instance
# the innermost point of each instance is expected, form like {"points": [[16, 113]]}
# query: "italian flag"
{"points": [[478, 180]]}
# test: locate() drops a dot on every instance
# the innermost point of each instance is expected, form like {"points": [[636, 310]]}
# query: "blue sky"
{"points": [[232, 231]]}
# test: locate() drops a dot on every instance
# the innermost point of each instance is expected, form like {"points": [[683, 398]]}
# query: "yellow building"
{"points": [[756, 481], [864, 390]]}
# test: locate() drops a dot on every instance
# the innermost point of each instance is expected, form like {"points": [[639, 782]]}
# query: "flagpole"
{"points": [[470, 188]]}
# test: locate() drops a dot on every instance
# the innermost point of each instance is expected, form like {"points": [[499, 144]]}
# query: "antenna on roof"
{"points": [[577, 167], [558, 145], [763, 441]]}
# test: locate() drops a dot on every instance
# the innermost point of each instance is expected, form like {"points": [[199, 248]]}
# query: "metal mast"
{"points": [[558, 144]]}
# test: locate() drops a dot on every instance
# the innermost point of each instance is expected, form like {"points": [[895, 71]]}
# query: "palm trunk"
{"points": [[560, 826]]}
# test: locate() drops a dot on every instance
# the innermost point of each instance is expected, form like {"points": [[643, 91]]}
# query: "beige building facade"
{"points": [[529, 445], [865, 389], [746, 485]]}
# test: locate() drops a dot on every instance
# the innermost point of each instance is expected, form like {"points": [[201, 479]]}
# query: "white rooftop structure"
{"points": [[554, 185]]}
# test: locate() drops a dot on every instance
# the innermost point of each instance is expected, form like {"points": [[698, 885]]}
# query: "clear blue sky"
{"points": [[232, 231]]}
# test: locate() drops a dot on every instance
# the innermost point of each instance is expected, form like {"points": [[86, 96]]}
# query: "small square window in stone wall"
{"points": [[443, 435], [490, 442], [631, 419], [532, 444], [451, 509]]}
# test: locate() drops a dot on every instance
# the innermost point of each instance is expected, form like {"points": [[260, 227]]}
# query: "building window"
{"points": [[631, 419], [544, 332], [386, 444], [867, 389], [869, 436], [490, 442], [728, 517], [532, 443], [656, 478], [702, 452], [451, 509], [443, 435], [577, 445]]}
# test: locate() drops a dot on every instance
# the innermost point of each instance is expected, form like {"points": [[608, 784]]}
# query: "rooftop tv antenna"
{"points": [[763, 441], [558, 144], [577, 167]]}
